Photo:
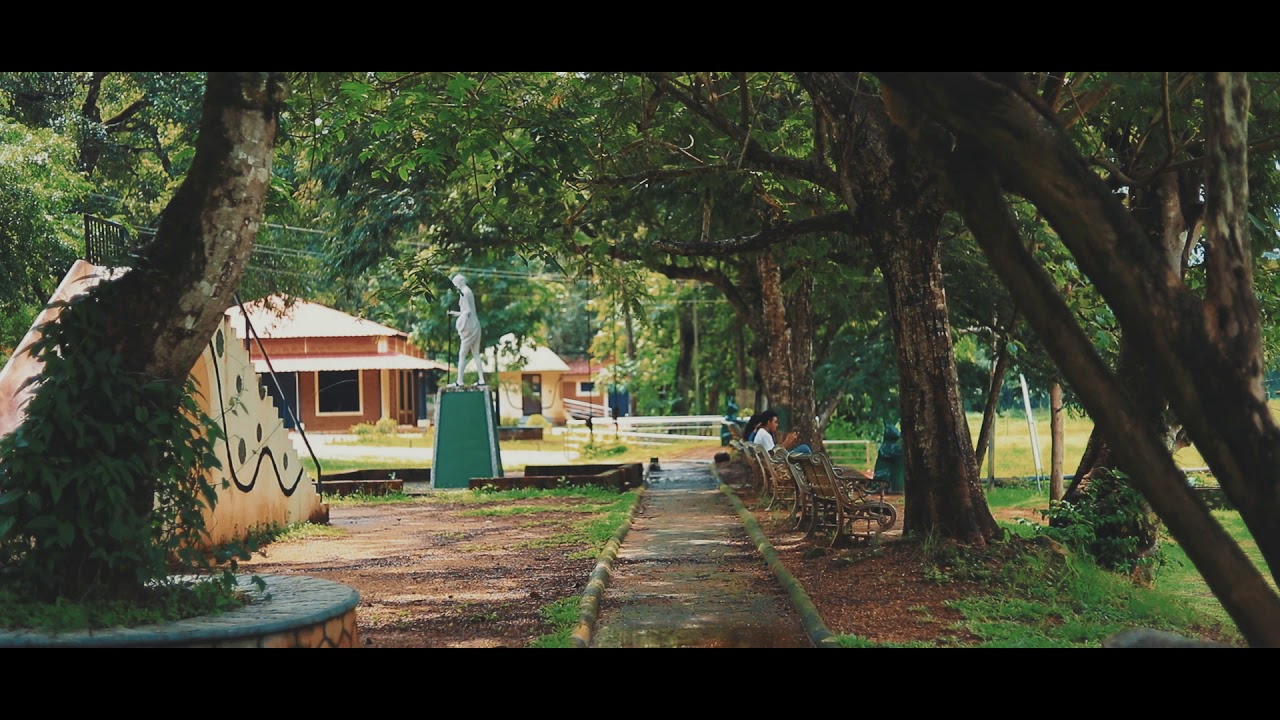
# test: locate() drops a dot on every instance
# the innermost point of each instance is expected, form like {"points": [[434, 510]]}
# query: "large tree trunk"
{"points": [[787, 367], [183, 280], [896, 204], [775, 368], [1206, 354], [803, 402], [161, 314], [942, 489]]}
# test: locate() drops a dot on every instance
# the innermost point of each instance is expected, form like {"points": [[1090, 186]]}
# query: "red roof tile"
{"points": [[271, 319]]}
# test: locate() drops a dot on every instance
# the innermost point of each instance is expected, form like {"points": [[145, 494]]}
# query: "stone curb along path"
{"points": [[589, 606], [688, 576], [818, 632]]}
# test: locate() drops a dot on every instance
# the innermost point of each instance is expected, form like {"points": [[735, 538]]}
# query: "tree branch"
{"points": [[89, 108], [833, 222], [662, 174], [754, 154], [134, 108]]}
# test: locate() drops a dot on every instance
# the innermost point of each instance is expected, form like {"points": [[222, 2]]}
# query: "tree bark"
{"points": [[803, 401], [684, 361], [993, 393], [895, 202], [775, 369], [161, 314], [942, 488], [1057, 449], [183, 280]]}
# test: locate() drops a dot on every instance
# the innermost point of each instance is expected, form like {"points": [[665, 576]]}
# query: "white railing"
{"points": [[644, 430], [852, 453], [581, 408]]}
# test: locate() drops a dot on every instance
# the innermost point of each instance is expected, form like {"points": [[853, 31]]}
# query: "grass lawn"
{"points": [[344, 464], [1176, 579], [1014, 458]]}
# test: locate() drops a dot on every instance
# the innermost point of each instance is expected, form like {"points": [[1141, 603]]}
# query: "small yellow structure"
{"points": [[528, 379]]}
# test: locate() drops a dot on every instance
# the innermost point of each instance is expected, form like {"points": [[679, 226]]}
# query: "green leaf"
{"points": [[8, 497], [458, 87], [1257, 222], [66, 533], [356, 89]]}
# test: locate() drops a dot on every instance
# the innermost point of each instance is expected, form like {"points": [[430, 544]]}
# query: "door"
{"points": [[289, 385], [531, 391]]}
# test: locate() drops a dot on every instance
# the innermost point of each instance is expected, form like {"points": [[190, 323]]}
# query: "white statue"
{"points": [[468, 329]]}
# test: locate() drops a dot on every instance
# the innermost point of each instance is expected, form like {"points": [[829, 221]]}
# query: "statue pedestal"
{"points": [[466, 444]]}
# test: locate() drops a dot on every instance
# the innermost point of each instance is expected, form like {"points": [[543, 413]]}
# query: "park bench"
{"points": [[802, 504], [754, 456], [852, 508], [782, 482]]}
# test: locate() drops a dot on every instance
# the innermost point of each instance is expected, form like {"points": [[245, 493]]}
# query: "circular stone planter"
{"points": [[293, 611]]}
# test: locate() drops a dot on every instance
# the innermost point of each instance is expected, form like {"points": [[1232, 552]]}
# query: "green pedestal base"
{"points": [[466, 444]]}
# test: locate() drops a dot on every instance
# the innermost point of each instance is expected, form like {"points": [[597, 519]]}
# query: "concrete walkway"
{"points": [[688, 575]]}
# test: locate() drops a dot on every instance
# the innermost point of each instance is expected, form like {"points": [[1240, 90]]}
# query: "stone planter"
{"points": [[301, 611]]}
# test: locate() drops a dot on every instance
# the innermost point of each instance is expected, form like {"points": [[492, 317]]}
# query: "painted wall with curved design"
{"points": [[266, 482]]}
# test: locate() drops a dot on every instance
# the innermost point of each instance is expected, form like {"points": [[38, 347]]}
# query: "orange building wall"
{"points": [[372, 408]]}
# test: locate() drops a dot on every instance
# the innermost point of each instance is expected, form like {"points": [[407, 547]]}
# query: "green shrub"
{"points": [[536, 420], [1111, 522], [387, 426], [363, 429], [106, 482]]}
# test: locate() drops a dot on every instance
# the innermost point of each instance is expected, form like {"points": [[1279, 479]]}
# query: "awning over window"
{"points": [[313, 363]]}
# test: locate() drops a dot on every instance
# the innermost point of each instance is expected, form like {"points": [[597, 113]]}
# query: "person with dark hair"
{"points": [[753, 424], [769, 427]]}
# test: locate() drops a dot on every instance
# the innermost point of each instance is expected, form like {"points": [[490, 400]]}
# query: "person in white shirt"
{"points": [[769, 426]]}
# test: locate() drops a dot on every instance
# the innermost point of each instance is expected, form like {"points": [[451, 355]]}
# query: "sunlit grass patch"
{"points": [[1051, 597], [562, 615], [306, 531], [361, 499]]}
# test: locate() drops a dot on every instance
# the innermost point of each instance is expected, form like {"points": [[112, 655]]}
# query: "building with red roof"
{"points": [[335, 370]]}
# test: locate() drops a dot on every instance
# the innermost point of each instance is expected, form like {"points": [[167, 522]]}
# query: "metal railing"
{"points": [[108, 243]]}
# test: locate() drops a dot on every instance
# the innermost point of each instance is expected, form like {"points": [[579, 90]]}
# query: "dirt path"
{"points": [[431, 575]]}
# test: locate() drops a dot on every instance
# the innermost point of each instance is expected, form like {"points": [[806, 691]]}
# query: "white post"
{"points": [[1031, 427]]}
